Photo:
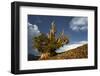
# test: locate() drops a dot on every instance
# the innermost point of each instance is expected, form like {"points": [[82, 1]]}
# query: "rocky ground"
{"points": [[77, 53]]}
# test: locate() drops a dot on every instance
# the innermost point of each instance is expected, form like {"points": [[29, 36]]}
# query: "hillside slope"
{"points": [[77, 53]]}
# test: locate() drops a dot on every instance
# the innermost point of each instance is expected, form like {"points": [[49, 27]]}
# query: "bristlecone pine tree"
{"points": [[47, 44]]}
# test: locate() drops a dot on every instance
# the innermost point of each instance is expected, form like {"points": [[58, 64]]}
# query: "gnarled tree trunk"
{"points": [[44, 56]]}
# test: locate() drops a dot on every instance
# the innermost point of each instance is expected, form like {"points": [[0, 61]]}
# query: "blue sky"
{"points": [[76, 28], [62, 22]]}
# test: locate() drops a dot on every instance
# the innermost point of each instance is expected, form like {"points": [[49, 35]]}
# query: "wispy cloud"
{"points": [[70, 46], [79, 23]]}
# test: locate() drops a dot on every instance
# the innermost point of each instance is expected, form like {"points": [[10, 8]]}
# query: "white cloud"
{"points": [[83, 42], [33, 31], [79, 23], [70, 46]]}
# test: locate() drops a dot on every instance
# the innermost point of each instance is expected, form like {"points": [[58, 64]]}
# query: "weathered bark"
{"points": [[44, 56]]}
